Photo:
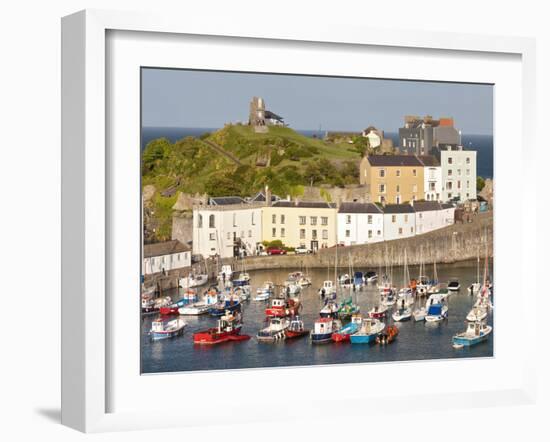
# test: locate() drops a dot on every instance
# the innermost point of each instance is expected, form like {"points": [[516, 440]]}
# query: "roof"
{"points": [[260, 197], [359, 208], [225, 200], [269, 114], [164, 248], [424, 206], [398, 208], [394, 160], [447, 206], [305, 204], [429, 160]]}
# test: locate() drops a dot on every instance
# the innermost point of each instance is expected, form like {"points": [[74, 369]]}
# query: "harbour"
{"points": [[415, 340]]}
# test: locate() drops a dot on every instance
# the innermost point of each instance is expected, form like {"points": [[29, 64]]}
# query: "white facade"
{"points": [[432, 183], [458, 174], [218, 230], [399, 223], [165, 256], [359, 223]]}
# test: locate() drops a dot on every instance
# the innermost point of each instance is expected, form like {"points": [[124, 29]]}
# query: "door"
{"points": [[314, 246]]}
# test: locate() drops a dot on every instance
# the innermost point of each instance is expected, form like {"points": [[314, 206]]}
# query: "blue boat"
{"points": [[345, 332], [368, 332], [475, 333], [358, 279], [165, 330], [323, 329], [230, 303], [437, 312]]}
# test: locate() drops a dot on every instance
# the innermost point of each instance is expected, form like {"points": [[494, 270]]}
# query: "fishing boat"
{"points": [[387, 336], [299, 279], [209, 299], [243, 292], [477, 313], [371, 277], [347, 309], [367, 333], [171, 309], [161, 329], [230, 302], [343, 334], [475, 333], [453, 285], [330, 309], [328, 290], [345, 281], [281, 307], [296, 328], [437, 312], [275, 331], [378, 312], [265, 291], [148, 307], [193, 280], [292, 288], [228, 328], [323, 328], [225, 274]]}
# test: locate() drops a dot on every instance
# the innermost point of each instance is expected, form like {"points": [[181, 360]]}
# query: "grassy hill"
{"points": [[237, 161]]}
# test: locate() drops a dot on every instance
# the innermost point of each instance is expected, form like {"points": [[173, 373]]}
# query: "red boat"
{"points": [[169, 310], [378, 312], [283, 307], [343, 335], [296, 329], [228, 329]]}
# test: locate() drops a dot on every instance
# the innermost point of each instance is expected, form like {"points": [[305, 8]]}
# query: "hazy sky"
{"points": [[180, 98]]}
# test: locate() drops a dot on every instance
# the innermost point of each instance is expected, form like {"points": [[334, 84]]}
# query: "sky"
{"points": [[183, 98]]}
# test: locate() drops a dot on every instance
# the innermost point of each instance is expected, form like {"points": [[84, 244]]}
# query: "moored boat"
{"points": [[228, 329], [437, 313], [475, 333], [166, 329], [378, 312], [371, 276], [209, 299], [283, 307], [328, 290], [323, 329], [193, 280], [275, 331], [453, 285], [370, 329], [230, 303], [329, 310], [265, 291], [296, 328], [388, 335], [343, 334], [347, 309]]}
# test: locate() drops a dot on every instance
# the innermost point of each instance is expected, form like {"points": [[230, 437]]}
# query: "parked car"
{"points": [[302, 250], [276, 251]]}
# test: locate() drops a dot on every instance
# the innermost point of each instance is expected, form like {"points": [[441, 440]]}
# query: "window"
{"points": [[449, 195], [404, 142], [393, 218], [212, 221], [458, 184], [199, 222], [212, 237], [282, 233], [381, 173], [228, 236], [370, 233], [397, 199], [449, 160], [398, 173], [415, 188], [378, 233], [347, 233], [414, 172], [406, 218], [467, 195], [273, 231], [302, 233], [314, 234], [400, 230], [459, 171], [397, 188], [253, 223], [467, 160], [467, 184], [432, 186], [382, 188], [414, 198], [324, 220], [313, 220], [369, 219], [325, 234], [420, 215], [302, 220], [412, 229], [348, 219], [449, 185], [382, 199], [282, 219], [449, 172], [273, 219]]}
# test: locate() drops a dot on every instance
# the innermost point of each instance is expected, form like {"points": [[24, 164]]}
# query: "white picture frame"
{"points": [[87, 206]]}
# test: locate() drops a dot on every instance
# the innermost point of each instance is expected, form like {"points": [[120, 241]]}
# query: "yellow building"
{"points": [[308, 224], [392, 179]]}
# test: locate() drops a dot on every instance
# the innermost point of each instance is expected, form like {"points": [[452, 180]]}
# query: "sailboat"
{"points": [[348, 307], [474, 288], [404, 311]]}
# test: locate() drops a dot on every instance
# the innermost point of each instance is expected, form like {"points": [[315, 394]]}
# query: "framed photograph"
{"points": [[251, 211]]}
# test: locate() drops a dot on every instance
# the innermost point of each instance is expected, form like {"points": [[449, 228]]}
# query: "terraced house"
{"points": [[300, 223]]}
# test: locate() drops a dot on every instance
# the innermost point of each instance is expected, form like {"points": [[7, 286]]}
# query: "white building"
{"points": [[165, 256], [360, 223], [429, 215], [458, 173], [399, 221], [447, 214], [432, 178], [227, 227]]}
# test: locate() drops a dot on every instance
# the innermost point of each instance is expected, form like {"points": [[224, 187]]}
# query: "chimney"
{"points": [[267, 196]]}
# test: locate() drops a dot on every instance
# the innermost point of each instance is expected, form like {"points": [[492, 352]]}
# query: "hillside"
{"points": [[237, 161]]}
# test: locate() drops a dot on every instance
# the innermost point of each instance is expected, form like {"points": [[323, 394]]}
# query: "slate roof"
{"points": [[429, 160], [260, 197], [164, 248], [394, 160], [226, 200], [269, 114], [425, 206], [447, 206], [398, 208], [305, 204], [359, 208]]}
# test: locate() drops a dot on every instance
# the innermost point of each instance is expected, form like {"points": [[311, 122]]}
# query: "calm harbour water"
{"points": [[416, 341]]}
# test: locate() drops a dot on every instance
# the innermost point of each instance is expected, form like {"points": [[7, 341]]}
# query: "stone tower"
{"points": [[256, 117]]}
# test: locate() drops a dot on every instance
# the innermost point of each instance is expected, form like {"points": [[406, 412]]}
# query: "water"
{"points": [[416, 341], [483, 144]]}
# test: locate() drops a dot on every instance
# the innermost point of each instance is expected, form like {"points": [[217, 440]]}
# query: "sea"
{"points": [[483, 144], [416, 340]]}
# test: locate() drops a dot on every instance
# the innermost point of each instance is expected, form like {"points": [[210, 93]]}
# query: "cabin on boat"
{"points": [[165, 256]]}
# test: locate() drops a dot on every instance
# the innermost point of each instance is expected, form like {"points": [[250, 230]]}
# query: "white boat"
{"points": [[453, 285], [477, 313], [169, 329], [225, 274], [275, 331], [420, 314], [437, 312], [209, 299], [292, 288], [402, 314], [193, 280], [329, 310], [389, 298], [371, 277], [243, 292], [474, 289], [304, 281], [475, 333], [265, 291], [163, 301], [328, 290]]}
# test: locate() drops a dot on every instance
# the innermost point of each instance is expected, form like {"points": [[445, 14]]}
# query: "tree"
{"points": [[480, 183]]}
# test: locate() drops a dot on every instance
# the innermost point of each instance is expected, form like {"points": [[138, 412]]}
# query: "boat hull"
{"points": [[363, 339], [212, 336], [291, 334], [468, 342], [220, 311], [321, 338]]}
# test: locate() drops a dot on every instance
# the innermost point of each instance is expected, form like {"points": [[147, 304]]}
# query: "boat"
{"points": [[230, 303], [389, 298], [404, 311], [304, 281], [225, 275], [367, 333], [347, 309], [291, 288], [148, 292], [358, 280], [265, 291], [330, 309], [171, 309], [283, 307], [453, 285], [296, 328], [242, 281], [378, 312], [402, 314], [193, 280], [228, 328], [345, 281], [209, 299], [477, 313], [371, 276], [476, 332], [148, 307], [387, 336], [161, 329], [323, 328], [243, 292], [275, 331], [437, 312], [328, 290], [343, 334]]}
